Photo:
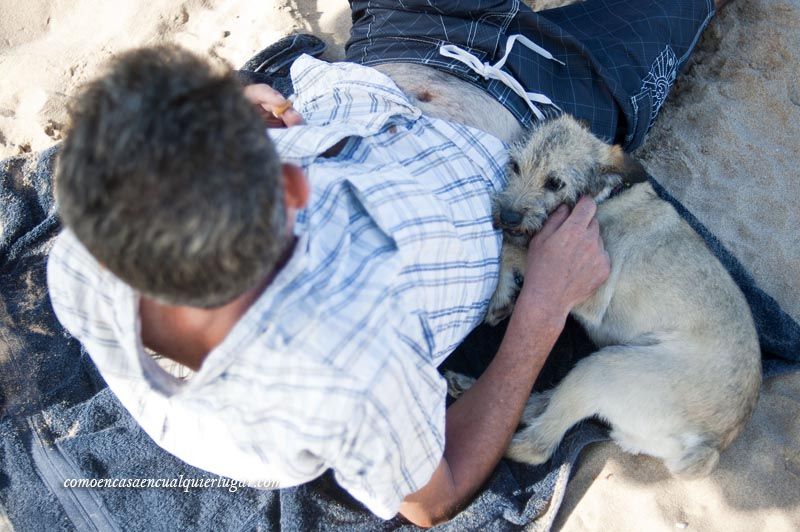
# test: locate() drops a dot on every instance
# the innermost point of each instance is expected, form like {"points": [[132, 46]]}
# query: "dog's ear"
{"points": [[628, 168]]}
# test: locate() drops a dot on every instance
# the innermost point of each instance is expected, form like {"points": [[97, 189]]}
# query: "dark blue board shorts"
{"points": [[620, 56]]}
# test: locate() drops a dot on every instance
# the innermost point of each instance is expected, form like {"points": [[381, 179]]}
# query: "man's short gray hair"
{"points": [[167, 177]]}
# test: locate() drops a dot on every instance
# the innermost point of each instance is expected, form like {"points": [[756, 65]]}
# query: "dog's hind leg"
{"points": [[550, 415], [643, 393], [625, 385]]}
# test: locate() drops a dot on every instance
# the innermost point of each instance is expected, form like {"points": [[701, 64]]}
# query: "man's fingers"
{"points": [[583, 212], [261, 94], [554, 221], [292, 118], [276, 110]]}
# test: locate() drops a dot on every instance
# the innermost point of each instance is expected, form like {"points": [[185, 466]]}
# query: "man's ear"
{"points": [[625, 166], [295, 186]]}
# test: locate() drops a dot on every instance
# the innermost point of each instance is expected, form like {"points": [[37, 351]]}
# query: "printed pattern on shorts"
{"points": [[609, 47], [657, 84]]}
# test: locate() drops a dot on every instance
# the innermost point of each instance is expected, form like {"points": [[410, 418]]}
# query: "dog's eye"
{"points": [[553, 183], [514, 166]]}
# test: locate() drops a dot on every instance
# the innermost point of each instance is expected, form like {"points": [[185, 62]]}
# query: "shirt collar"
{"points": [[254, 322], [338, 100]]}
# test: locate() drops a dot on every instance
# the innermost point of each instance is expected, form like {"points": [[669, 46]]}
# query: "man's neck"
{"points": [[188, 334]]}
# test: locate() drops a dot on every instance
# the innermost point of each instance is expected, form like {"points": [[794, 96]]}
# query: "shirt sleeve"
{"points": [[75, 281], [398, 439], [71, 277]]}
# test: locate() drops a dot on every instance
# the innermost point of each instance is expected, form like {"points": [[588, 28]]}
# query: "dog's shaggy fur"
{"points": [[678, 370]]}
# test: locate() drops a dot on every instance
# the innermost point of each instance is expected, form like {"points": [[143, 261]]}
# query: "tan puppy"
{"points": [[678, 370]]}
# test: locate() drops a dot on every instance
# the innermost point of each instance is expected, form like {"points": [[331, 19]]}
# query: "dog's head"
{"points": [[560, 161]]}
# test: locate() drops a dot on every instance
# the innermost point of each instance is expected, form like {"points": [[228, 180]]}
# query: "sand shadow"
{"points": [[330, 23]]}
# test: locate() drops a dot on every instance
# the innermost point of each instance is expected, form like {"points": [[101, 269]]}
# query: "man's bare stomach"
{"points": [[442, 95]]}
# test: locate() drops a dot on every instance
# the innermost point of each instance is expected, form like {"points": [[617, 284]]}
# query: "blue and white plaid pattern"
{"points": [[334, 366]]}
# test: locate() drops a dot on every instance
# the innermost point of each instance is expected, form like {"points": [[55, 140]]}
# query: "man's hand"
{"points": [[566, 263], [274, 109], [566, 259]]}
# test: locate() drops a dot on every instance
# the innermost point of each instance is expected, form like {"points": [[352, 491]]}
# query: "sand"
{"points": [[726, 144], [755, 488], [49, 47]]}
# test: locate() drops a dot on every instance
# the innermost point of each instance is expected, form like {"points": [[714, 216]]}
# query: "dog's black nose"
{"points": [[510, 218]]}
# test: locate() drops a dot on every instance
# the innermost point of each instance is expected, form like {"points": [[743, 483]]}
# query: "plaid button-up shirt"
{"points": [[334, 365]]}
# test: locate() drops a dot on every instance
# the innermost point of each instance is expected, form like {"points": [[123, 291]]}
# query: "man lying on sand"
{"points": [[316, 277]]}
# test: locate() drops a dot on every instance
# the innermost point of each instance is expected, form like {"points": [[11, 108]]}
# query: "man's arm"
{"points": [[566, 263]]}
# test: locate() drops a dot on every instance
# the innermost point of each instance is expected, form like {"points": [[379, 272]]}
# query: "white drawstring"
{"points": [[495, 71]]}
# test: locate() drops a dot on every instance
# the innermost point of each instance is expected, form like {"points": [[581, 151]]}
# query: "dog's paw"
{"points": [[535, 443], [527, 449], [457, 383], [498, 313], [504, 297]]}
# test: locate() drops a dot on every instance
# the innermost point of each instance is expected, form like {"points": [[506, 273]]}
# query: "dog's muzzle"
{"points": [[510, 219]]}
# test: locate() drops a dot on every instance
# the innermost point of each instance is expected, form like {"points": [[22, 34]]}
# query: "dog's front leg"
{"points": [[512, 268], [457, 383]]}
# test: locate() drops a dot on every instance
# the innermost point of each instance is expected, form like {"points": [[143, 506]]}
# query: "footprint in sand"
{"points": [[54, 130]]}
